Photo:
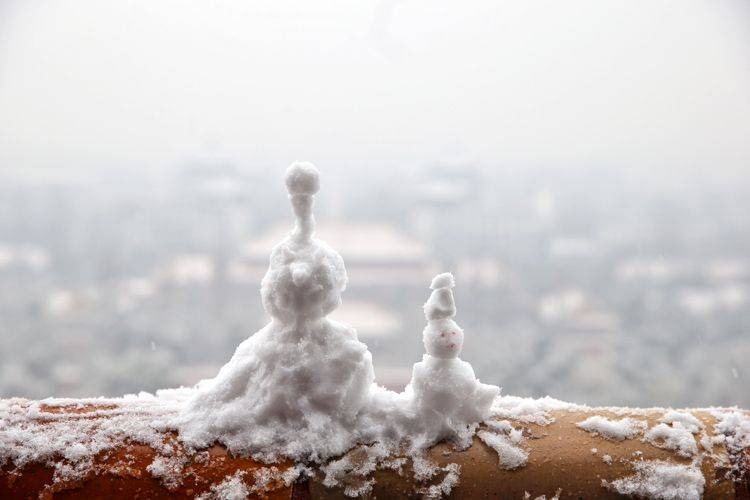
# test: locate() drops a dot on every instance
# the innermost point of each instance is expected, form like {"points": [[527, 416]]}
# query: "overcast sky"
{"points": [[148, 84]]}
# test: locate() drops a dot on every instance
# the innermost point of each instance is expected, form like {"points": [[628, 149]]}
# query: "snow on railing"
{"points": [[122, 447]]}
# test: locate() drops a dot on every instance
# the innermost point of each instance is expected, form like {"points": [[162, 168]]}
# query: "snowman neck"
{"points": [[442, 323], [304, 223]]}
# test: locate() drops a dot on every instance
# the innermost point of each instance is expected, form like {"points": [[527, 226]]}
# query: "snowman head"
{"points": [[305, 278], [443, 339]]}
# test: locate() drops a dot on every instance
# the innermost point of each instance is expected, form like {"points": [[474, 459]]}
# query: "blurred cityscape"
{"points": [[592, 285]]}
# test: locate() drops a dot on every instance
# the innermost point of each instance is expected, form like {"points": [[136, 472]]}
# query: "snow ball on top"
{"points": [[444, 280], [302, 178]]}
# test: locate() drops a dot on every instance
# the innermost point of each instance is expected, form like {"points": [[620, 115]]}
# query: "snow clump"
{"points": [[530, 410], [231, 488], [676, 438], [687, 420], [659, 480], [615, 430], [509, 455], [734, 427], [445, 486]]}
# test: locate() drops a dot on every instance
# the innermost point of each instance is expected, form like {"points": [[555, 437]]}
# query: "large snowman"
{"points": [[295, 387], [446, 395]]}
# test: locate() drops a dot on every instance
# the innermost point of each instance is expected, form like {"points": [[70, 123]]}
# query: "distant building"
{"points": [[371, 319], [375, 253]]}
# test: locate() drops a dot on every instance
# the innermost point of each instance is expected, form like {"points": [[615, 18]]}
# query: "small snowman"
{"points": [[445, 392], [442, 337]]}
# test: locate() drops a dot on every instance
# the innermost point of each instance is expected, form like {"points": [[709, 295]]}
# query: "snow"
{"points": [[661, 480], [78, 437], [527, 496], [354, 470], [510, 456], [442, 337], [444, 487], [168, 469], [687, 420], [607, 459], [303, 386], [231, 488], [676, 438], [616, 430], [266, 478], [143, 418], [302, 178], [499, 425], [444, 280], [529, 410], [707, 442], [504, 427], [424, 470], [734, 426]]}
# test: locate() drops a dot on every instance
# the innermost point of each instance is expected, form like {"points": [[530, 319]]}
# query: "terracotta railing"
{"points": [[563, 460]]}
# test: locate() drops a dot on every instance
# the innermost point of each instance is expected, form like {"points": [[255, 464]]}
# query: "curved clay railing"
{"points": [[561, 458]]}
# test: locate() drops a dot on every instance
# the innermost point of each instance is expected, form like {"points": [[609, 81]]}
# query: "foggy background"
{"points": [[581, 167]]}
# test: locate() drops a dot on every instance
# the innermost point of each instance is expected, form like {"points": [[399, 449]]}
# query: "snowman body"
{"points": [[448, 389]]}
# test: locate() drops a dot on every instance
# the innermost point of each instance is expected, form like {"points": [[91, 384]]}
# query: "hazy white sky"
{"points": [[152, 83]]}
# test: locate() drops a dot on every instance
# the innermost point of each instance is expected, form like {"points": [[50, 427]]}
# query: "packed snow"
{"points": [[659, 480], [616, 430], [303, 386], [296, 387]]}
